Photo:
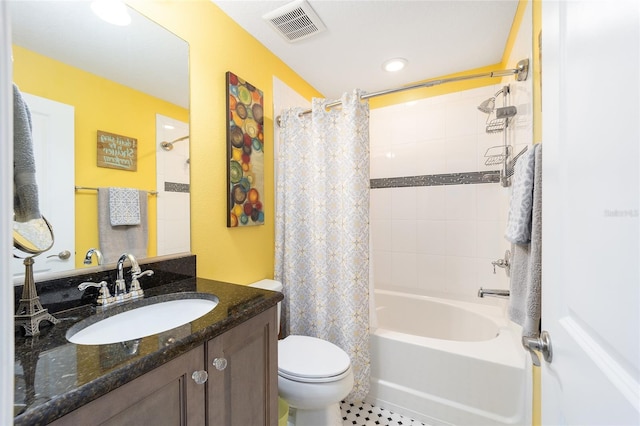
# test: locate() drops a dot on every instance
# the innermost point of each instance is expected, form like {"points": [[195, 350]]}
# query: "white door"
{"points": [[591, 279], [53, 146]]}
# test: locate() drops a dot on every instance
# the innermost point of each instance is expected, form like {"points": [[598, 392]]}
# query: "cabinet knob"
{"points": [[200, 377], [220, 363]]}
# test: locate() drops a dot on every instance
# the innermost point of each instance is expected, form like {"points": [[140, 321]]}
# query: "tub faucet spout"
{"points": [[493, 293]]}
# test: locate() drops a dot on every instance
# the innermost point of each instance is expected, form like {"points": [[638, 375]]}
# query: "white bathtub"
{"points": [[448, 362]]}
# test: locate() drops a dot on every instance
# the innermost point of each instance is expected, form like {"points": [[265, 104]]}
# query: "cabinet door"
{"points": [[165, 396], [245, 391]]}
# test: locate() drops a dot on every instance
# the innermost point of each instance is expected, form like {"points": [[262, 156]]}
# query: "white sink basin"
{"points": [[141, 321]]}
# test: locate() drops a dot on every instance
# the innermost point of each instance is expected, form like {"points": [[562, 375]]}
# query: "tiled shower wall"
{"points": [[172, 181], [437, 240]]}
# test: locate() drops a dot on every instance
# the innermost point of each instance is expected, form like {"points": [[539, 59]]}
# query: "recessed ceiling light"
{"points": [[168, 127], [393, 65], [112, 11]]}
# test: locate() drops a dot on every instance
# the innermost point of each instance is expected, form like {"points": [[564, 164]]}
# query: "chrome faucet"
{"points": [[120, 290], [486, 292], [90, 253]]}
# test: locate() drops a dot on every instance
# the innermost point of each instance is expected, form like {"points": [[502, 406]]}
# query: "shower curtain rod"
{"points": [[521, 72]]}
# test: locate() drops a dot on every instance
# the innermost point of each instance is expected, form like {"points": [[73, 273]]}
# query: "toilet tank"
{"points": [[272, 285]]}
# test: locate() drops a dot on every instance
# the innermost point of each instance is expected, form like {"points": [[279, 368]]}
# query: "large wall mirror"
{"points": [[131, 80]]}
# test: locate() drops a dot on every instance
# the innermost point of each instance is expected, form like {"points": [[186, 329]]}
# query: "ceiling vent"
{"points": [[295, 21]]}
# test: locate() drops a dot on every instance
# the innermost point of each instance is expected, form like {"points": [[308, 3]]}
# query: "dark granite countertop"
{"points": [[54, 377]]}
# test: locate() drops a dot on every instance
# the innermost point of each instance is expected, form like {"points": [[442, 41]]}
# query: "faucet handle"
{"points": [[503, 263], [104, 297], [148, 272], [87, 284], [135, 289]]}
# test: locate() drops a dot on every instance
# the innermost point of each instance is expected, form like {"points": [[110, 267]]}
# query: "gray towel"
{"points": [[519, 222], [526, 266], [25, 189], [116, 240]]}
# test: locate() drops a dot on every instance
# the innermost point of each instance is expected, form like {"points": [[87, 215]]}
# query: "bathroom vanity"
{"points": [[220, 369]]}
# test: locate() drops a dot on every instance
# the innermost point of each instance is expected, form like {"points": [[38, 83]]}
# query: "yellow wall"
{"points": [[217, 45], [100, 104]]}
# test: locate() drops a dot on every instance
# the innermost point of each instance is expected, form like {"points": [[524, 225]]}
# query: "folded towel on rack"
{"points": [[124, 206], [526, 264], [115, 240], [519, 221], [25, 199]]}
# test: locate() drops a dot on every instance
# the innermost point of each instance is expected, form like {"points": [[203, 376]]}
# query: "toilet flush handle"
{"points": [[220, 363]]}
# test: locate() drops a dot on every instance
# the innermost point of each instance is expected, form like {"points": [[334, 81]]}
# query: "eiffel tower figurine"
{"points": [[30, 311], [35, 238]]}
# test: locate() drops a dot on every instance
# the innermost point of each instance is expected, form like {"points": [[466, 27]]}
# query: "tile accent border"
{"points": [[466, 178], [176, 187]]}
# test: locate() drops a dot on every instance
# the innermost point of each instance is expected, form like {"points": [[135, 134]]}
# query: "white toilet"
{"points": [[313, 375]]}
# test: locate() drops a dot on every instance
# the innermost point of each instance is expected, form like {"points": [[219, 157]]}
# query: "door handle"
{"points": [[542, 344], [63, 255]]}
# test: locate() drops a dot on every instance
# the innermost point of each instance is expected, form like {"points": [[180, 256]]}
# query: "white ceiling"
{"points": [[437, 37]]}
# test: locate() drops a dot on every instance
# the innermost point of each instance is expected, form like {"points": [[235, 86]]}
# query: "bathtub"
{"points": [[447, 362]]}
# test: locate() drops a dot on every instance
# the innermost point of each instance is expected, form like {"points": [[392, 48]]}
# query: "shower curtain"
{"points": [[322, 228]]}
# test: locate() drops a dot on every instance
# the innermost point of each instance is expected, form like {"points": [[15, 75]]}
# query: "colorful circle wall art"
{"points": [[245, 153]]}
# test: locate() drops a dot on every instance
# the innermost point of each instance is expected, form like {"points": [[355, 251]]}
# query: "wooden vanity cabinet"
{"points": [[241, 391], [166, 395]]}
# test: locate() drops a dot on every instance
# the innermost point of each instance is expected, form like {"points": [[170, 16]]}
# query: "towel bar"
{"points": [[89, 188]]}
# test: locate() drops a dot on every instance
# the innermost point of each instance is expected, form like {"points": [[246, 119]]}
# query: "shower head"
{"points": [[488, 105], [168, 146]]}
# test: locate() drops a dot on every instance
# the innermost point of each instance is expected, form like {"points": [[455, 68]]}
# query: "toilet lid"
{"points": [[304, 357]]}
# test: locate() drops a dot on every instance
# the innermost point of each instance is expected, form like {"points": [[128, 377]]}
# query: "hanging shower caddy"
{"points": [[498, 120]]}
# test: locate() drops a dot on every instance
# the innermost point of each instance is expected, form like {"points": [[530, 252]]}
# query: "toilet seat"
{"points": [[311, 360]]}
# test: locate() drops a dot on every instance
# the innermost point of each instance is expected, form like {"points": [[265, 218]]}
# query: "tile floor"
{"points": [[367, 415]]}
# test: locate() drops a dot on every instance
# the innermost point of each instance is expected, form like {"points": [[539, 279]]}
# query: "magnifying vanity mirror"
{"points": [[33, 237], [131, 81]]}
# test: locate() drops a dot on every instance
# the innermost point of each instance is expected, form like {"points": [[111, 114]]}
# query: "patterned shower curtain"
{"points": [[322, 228]]}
